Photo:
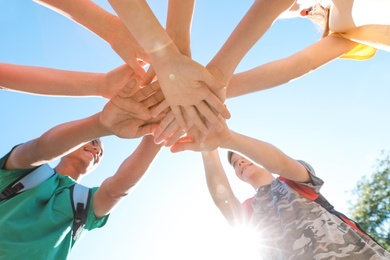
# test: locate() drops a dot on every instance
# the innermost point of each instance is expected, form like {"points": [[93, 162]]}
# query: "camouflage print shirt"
{"points": [[290, 226]]}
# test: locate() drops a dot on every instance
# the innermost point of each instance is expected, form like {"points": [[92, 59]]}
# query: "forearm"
{"points": [[251, 28], [56, 142], [268, 156], [266, 76], [133, 168], [130, 172], [258, 151], [287, 69], [47, 81], [139, 19], [179, 20], [219, 188]]}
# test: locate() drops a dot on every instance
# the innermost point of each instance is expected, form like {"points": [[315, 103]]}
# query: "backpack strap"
{"points": [[79, 196], [32, 179]]}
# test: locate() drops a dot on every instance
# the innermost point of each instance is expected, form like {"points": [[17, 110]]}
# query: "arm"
{"points": [[220, 190], [115, 188], [179, 21], [105, 25], [178, 27], [251, 28], [55, 82], [183, 81], [284, 70], [124, 115], [265, 154]]}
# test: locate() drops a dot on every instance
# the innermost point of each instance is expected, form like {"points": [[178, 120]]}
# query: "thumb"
{"points": [[147, 129], [137, 68], [183, 144]]}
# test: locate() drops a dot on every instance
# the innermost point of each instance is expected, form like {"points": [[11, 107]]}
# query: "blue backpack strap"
{"points": [[79, 195], [32, 179]]}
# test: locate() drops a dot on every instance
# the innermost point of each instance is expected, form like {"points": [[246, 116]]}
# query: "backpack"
{"points": [[79, 195], [321, 200]]}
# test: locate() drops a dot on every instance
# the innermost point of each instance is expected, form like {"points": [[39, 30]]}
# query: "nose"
{"points": [[97, 149]]}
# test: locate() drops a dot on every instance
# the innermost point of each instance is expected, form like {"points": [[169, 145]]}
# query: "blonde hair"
{"points": [[320, 16]]}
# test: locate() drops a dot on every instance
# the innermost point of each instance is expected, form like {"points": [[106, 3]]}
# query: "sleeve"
{"points": [[309, 190], [5, 158], [9, 176], [360, 52]]}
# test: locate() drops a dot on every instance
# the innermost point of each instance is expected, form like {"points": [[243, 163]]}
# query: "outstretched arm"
{"points": [[179, 20], [115, 188], [253, 25], [124, 115], [56, 82], [251, 28], [263, 153], [220, 190], [184, 82], [105, 25], [281, 71]]}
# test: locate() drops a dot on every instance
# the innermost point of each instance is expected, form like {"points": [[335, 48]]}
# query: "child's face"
{"points": [[89, 154], [243, 168]]}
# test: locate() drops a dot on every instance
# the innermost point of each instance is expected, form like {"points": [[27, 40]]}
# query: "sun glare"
{"points": [[219, 242]]}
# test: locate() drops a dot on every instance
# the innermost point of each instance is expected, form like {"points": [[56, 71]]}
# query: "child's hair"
{"points": [[229, 156], [320, 16]]}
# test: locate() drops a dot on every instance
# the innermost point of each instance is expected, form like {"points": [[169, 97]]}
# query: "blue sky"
{"points": [[335, 118]]}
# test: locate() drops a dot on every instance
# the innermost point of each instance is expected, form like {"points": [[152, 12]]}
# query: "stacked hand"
{"points": [[127, 114]]}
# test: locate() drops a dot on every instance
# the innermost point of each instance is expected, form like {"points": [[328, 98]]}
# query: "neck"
{"points": [[70, 171], [263, 181]]}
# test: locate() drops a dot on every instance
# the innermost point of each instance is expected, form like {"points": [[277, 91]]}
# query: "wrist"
{"points": [[100, 83], [229, 142], [219, 74], [101, 127], [163, 54]]}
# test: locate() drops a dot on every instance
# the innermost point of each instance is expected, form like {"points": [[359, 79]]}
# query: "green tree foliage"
{"points": [[372, 202]]}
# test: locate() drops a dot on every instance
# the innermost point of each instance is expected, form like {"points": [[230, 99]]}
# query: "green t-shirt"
{"points": [[37, 223]]}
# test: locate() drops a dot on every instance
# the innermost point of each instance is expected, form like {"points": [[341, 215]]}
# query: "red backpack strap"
{"points": [[321, 200], [301, 189]]}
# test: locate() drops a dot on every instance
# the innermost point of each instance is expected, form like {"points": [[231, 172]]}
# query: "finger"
{"points": [[159, 108], [195, 118], [173, 131], [178, 113], [168, 120], [142, 63], [144, 92], [154, 99], [184, 144], [137, 110], [214, 102], [210, 116], [149, 76], [129, 88], [137, 68], [179, 133], [147, 129]]}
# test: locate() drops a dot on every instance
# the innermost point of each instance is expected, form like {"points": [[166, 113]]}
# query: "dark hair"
{"points": [[229, 155], [320, 15]]}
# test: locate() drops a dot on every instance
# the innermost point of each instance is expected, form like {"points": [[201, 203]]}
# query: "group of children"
{"points": [[179, 103]]}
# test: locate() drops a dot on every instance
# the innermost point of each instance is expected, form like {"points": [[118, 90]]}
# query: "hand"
{"points": [[115, 80], [127, 114], [127, 47], [197, 141], [185, 85]]}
